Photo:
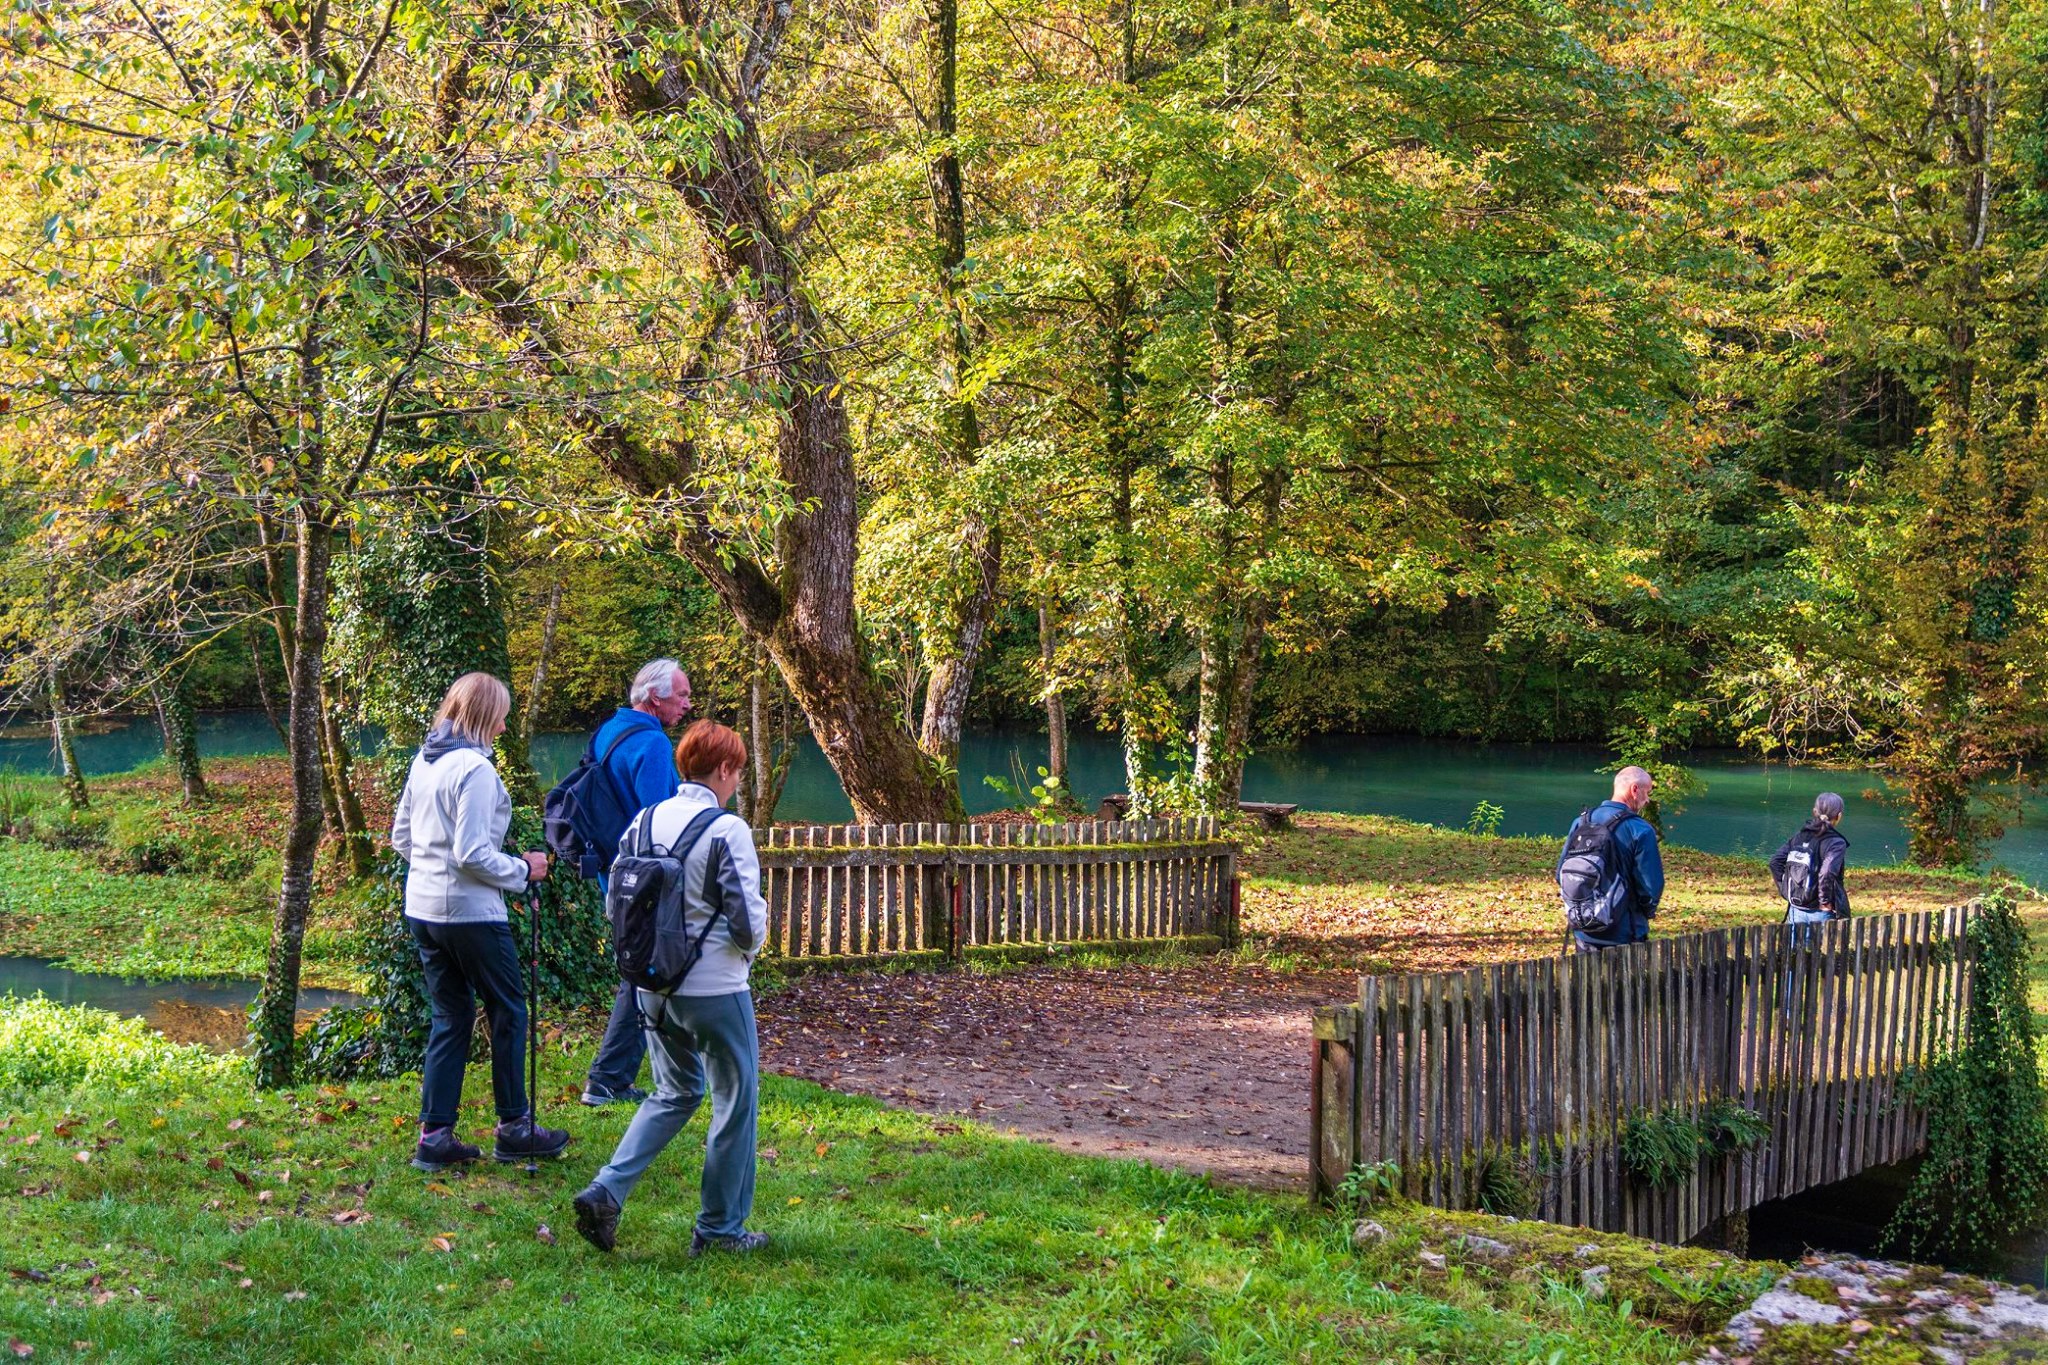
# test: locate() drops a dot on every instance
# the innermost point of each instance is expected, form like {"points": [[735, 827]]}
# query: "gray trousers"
{"points": [[690, 1038]]}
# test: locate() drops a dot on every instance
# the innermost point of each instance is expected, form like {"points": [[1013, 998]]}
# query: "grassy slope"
{"points": [[1390, 895], [1340, 890], [85, 908], [898, 1237]]}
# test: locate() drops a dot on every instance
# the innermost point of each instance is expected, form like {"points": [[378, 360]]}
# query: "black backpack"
{"points": [[649, 913], [1594, 884], [584, 815], [1801, 886]]}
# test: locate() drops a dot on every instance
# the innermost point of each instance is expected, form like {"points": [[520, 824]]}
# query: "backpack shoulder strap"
{"points": [[693, 833]]}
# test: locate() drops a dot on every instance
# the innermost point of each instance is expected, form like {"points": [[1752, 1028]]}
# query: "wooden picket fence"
{"points": [[878, 890], [1534, 1069]]}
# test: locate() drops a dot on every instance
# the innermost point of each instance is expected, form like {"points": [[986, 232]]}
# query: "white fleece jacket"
{"points": [[450, 828]]}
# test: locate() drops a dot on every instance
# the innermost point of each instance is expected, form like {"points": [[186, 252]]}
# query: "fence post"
{"points": [[1333, 1138], [1230, 914]]}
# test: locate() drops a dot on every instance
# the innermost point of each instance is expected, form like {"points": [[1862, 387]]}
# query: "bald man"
{"points": [[1632, 854]]}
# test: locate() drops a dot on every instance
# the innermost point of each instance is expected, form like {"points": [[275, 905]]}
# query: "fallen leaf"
{"points": [[246, 1283], [795, 1199], [214, 1163], [294, 1295], [545, 1233], [263, 1196], [349, 1216], [32, 1276], [20, 1347], [234, 1124], [436, 1187], [82, 1157], [441, 1243], [242, 1177], [824, 1147]]}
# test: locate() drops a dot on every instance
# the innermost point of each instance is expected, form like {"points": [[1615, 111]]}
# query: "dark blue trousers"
{"points": [[618, 1059], [465, 963]]}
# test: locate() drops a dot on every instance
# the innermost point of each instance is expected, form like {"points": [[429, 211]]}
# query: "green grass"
{"points": [[1390, 895], [201, 1223], [137, 885]]}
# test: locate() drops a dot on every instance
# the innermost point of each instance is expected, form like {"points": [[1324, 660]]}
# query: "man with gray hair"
{"points": [[1611, 859], [1808, 869], [633, 745]]}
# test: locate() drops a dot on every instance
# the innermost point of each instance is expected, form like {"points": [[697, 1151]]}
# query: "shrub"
{"points": [[46, 1044], [58, 827], [1985, 1176], [139, 840]]}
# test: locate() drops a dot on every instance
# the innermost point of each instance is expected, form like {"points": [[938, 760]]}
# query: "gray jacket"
{"points": [[449, 826]]}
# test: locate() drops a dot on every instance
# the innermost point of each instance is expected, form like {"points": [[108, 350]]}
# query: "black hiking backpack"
{"points": [[1801, 886], [584, 815], [649, 913], [1591, 878]]}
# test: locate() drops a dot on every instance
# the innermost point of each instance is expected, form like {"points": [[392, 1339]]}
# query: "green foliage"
{"points": [[1047, 799], [47, 1045], [1665, 1148], [1698, 1301], [1984, 1178], [1506, 1183], [20, 800], [1485, 819], [1369, 1184]]}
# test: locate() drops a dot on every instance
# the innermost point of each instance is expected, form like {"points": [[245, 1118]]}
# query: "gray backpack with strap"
{"points": [[647, 907]]}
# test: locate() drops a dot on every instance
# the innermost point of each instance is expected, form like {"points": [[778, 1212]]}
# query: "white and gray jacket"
{"points": [[735, 940], [449, 826]]}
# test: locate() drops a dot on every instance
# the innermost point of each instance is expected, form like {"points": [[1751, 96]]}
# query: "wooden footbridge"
{"points": [[1522, 1081]]}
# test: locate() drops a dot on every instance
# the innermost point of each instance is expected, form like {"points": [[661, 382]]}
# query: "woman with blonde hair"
{"points": [[450, 826]]}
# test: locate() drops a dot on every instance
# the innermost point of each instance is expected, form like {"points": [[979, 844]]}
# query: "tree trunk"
{"points": [[181, 738], [1055, 704], [277, 1005], [804, 613], [548, 626], [769, 749], [67, 752], [956, 656], [358, 857], [264, 694]]}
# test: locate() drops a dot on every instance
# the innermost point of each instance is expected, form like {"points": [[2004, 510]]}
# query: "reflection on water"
{"points": [[210, 1012], [1746, 807]]}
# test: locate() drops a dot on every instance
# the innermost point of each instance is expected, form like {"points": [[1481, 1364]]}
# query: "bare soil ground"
{"points": [[1203, 1067]]}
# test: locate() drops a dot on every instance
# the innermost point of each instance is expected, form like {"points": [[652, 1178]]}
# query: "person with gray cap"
{"points": [[1808, 869]]}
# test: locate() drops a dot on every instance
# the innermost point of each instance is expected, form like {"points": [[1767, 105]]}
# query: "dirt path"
{"points": [[1203, 1067]]}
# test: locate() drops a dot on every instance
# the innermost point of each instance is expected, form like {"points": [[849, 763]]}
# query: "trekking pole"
{"points": [[533, 1019]]}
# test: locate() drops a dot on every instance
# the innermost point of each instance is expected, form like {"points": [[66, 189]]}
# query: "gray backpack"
{"points": [[1594, 883]]}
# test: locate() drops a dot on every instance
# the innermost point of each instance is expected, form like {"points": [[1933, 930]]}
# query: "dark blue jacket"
{"points": [[1635, 844], [644, 764]]}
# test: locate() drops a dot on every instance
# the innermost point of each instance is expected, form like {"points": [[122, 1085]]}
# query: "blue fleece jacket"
{"points": [[644, 764], [1635, 844]]}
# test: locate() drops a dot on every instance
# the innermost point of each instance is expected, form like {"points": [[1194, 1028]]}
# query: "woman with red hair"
{"points": [[703, 1030]]}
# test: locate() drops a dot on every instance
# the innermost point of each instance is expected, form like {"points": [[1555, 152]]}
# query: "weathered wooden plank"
{"points": [[1413, 1175], [1455, 1121]]}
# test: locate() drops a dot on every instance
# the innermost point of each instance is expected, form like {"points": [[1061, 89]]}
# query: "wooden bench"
{"points": [[1273, 814]]}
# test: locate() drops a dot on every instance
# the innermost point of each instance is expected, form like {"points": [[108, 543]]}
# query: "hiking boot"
{"points": [[597, 1216], [438, 1150], [524, 1140], [596, 1095], [738, 1241]]}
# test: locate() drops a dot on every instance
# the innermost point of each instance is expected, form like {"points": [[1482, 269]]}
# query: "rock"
{"points": [[1593, 1279], [1365, 1232], [1486, 1249], [1585, 1251], [1432, 1260]]}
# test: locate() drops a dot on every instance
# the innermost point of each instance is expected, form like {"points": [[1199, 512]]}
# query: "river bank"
{"points": [[1745, 806]]}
